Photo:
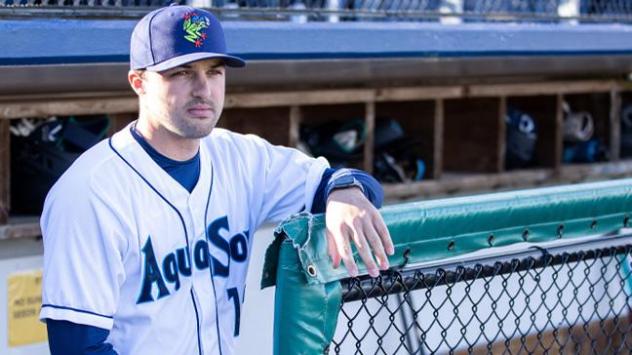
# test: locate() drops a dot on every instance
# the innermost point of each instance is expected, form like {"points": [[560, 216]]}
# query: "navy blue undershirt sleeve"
{"points": [[372, 189], [67, 338], [186, 172]]}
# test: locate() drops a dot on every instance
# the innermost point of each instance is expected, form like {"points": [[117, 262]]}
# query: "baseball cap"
{"points": [[175, 35]]}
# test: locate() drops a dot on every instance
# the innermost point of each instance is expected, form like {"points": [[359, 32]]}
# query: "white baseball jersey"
{"points": [[127, 248]]}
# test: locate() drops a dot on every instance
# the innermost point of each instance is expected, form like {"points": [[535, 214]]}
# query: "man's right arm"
{"points": [[84, 248], [67, 338]]}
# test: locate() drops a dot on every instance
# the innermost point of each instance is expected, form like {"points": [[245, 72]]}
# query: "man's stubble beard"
{"points": [[191, 128]]}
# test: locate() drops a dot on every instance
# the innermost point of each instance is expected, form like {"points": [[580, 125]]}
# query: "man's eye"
{"points": [[180, 73], [216, 72]]}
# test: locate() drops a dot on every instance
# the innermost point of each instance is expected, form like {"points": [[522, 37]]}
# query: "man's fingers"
{"points": [[385, 236], [364, 250], [332, 250], [344, 250], [350, 264], [376, 244]]}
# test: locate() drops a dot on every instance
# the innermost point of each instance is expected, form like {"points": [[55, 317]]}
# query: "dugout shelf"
{"points": [[473, 139], [543, 110], [422, 124], [605, 116], [460, 129], [312, 122], [20, 227]]}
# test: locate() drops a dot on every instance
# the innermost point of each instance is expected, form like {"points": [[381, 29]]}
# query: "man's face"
{"points": [[186, 100]]}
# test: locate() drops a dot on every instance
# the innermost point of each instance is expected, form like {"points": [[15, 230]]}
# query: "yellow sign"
{"points": [[25, 301]]}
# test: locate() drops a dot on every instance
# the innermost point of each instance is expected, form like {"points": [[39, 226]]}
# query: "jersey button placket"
{"points": [[195, 297]]}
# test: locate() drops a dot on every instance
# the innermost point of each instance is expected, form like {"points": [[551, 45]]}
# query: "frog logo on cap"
{"points": [[193, 27]]}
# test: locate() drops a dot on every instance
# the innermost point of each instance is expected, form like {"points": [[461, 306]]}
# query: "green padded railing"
{"points": [[308, 292]]}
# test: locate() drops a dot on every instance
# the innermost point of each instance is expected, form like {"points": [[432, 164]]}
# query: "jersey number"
{"points": [[236, 249], [234, 294]]}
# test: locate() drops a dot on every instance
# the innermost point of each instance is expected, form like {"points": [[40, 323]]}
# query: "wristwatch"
{"points": [[343, 182]]}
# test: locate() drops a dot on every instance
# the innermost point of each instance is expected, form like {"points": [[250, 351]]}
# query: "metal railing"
{"points": [[571, 299], [447, 11]]}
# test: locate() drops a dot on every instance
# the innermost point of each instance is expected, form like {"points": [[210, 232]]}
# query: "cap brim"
{"points": [[229, 60]]}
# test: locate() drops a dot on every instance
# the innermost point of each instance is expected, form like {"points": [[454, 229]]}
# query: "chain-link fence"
{"points": [[351, 10], [561, 300]]}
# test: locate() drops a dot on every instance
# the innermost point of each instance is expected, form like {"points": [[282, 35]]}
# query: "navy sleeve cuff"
{"points": [[372, 188], [67, 338]]}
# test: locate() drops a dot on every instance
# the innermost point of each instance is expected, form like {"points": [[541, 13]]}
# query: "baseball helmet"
{"points": [[521, 138], [40, 157]]}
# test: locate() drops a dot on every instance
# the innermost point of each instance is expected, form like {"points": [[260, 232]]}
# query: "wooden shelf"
{"points": [[543, 111], [459, 184], [422, 122], [473, 135], [596, 171], [273, 123], [461, 129], [542, 88], [341, 96], [21, 227], [69, 106]]}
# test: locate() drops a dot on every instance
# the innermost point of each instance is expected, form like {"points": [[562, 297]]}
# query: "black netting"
{"points": [[354, 10], [569, 303]]}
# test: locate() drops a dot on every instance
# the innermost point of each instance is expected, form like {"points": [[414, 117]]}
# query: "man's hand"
{"points": [[351, 216]]}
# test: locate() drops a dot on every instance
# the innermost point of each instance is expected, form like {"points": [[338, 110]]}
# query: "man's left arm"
{"points": [[350, 199], [282, 181]]}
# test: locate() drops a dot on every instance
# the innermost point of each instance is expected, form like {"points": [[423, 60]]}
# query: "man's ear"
{"points": [[135, 79]]}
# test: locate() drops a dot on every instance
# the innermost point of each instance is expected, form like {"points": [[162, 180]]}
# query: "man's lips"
{"points": [[200, 110]]}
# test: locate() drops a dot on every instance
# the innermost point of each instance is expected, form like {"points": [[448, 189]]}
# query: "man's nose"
{"points": [[202, 86]]}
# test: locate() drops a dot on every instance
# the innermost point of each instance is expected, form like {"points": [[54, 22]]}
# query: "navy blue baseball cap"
{"points": [[175, 35]]}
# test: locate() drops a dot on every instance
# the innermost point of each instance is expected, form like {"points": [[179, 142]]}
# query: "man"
{"points": [[147, 235]]}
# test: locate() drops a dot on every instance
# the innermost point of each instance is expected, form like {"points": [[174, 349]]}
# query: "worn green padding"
{"points": [[305, 315], [308, 287]]}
